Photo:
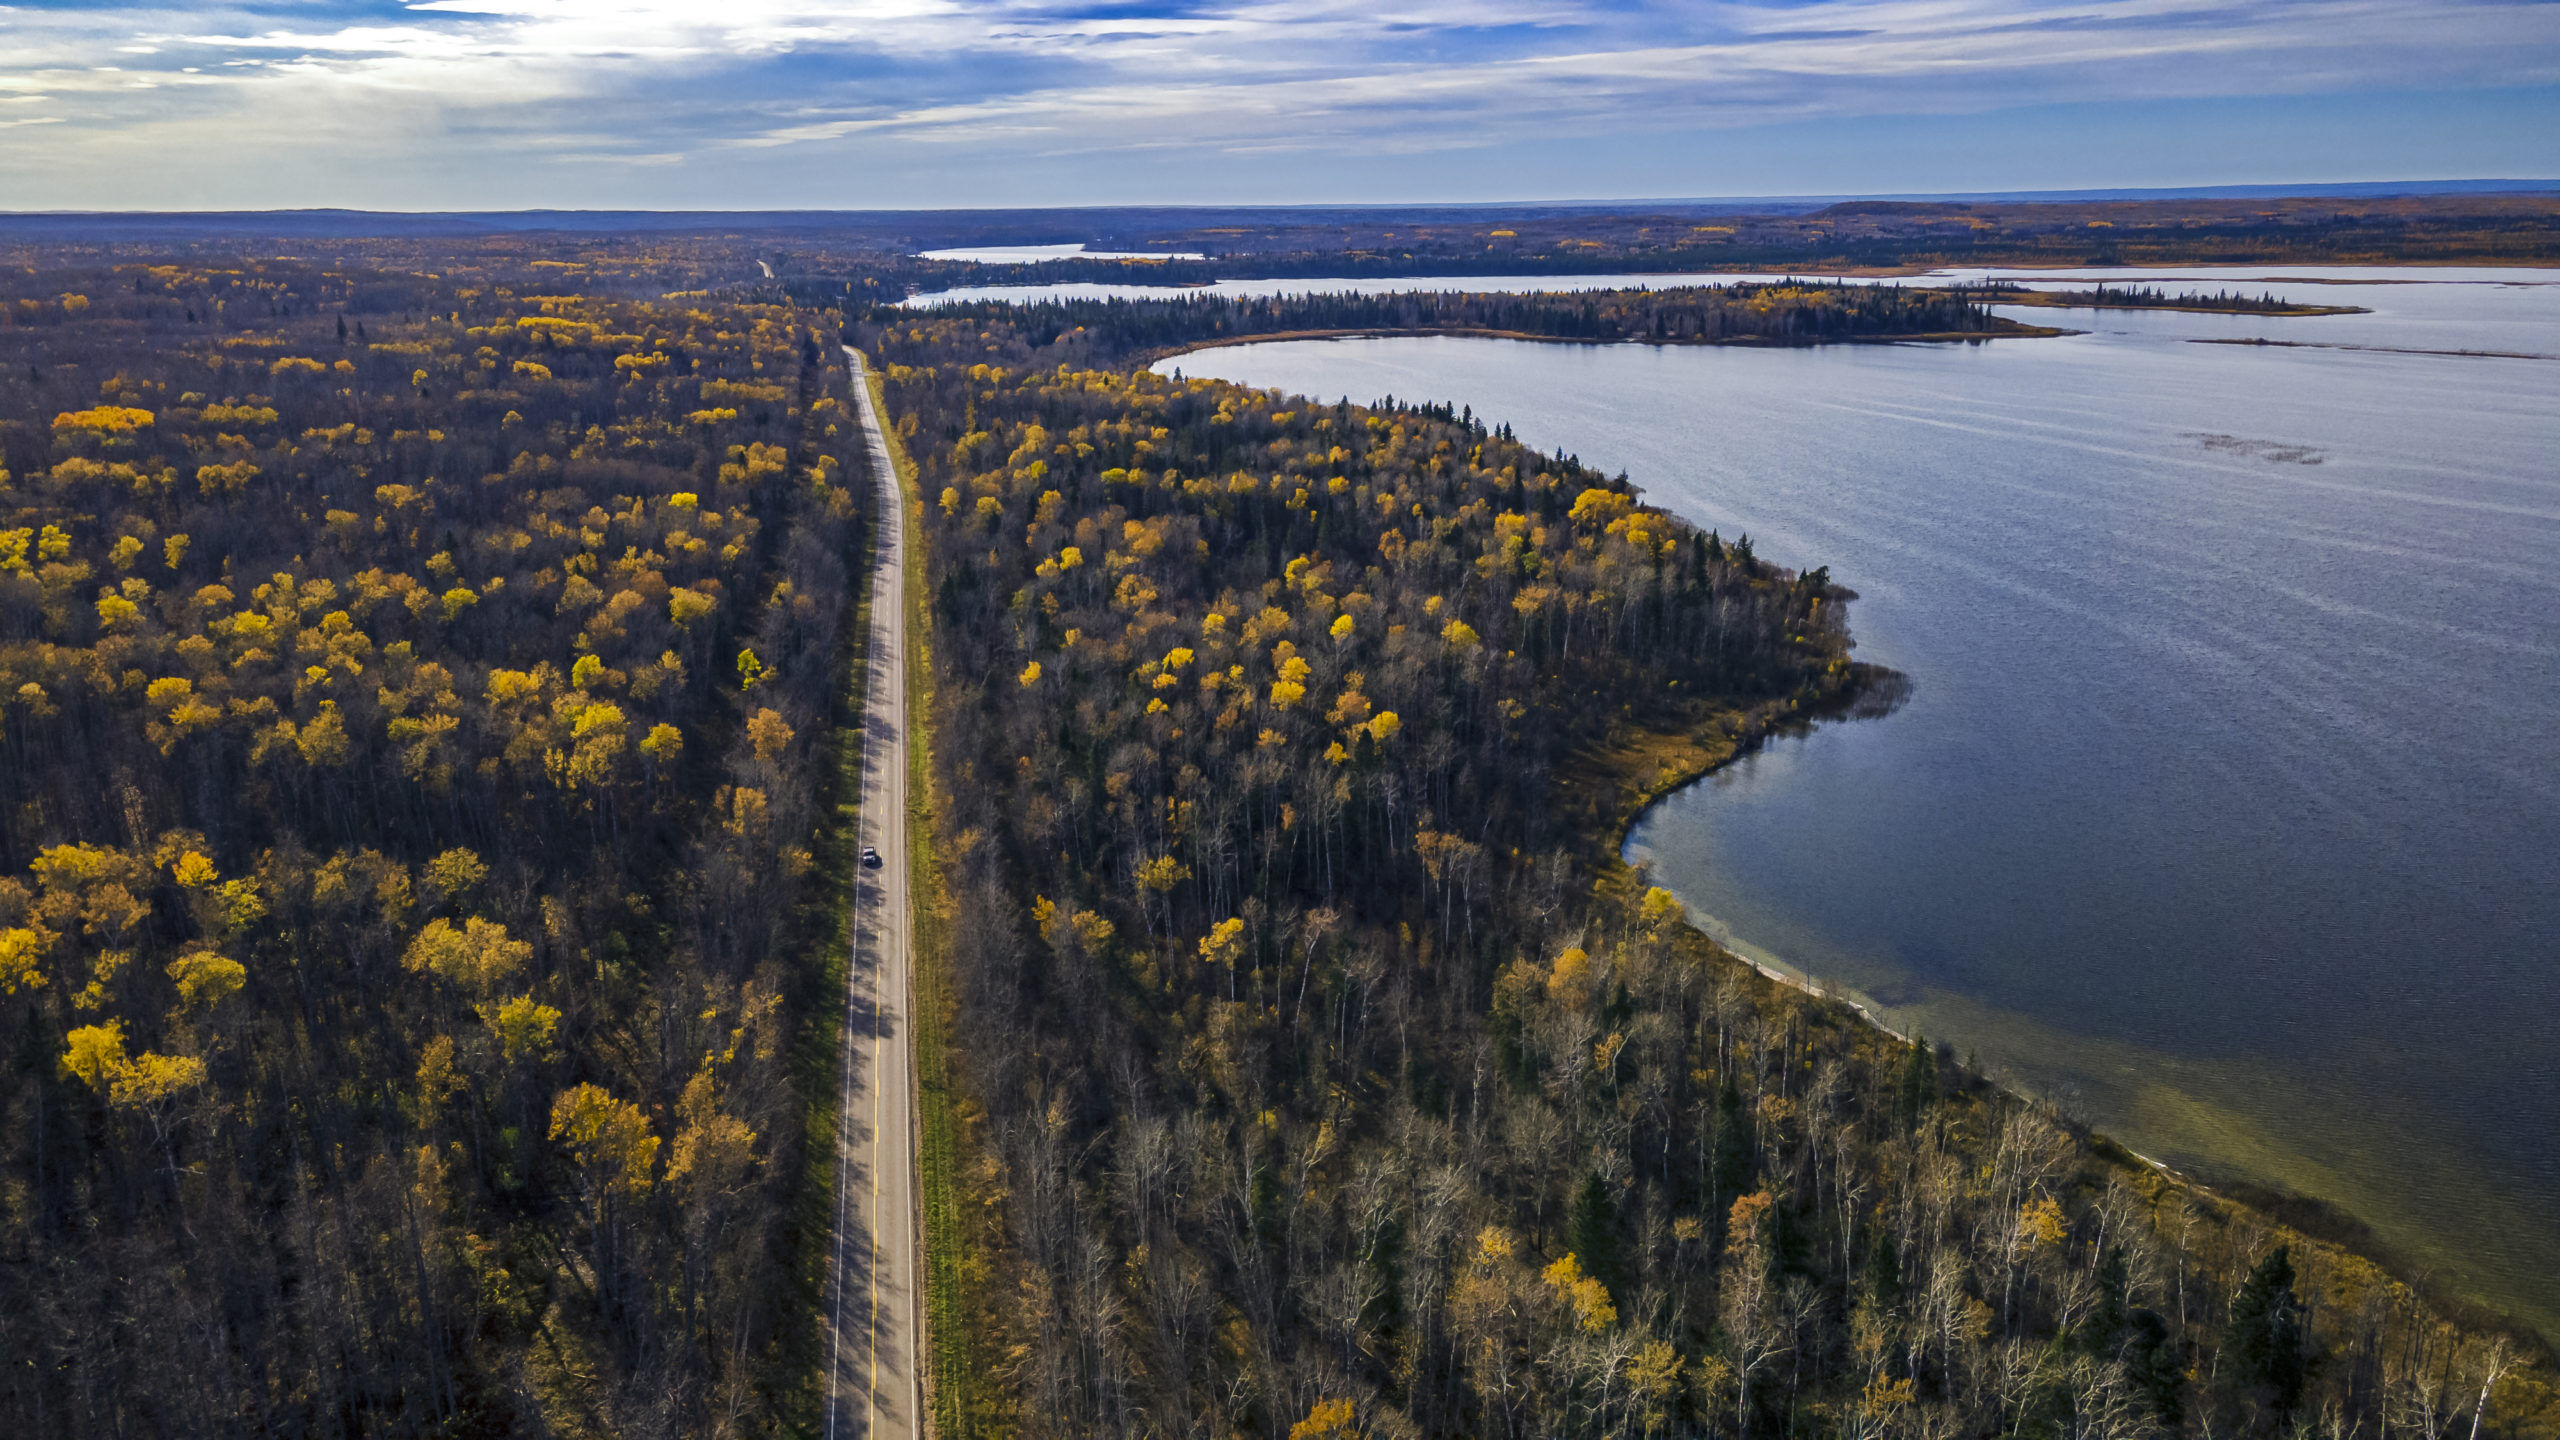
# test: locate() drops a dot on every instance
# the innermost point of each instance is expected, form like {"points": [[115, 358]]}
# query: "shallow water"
{"points": [[2226, 807]]}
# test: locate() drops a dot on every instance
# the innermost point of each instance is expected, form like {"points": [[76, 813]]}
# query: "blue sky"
{"points": [[486, 104]]}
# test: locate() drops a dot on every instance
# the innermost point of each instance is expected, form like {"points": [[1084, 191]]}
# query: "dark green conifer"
{"points": [[1919, 1082], [1591, 1232], [1883, 1280], [2264, 1340], [1730, 1164]]}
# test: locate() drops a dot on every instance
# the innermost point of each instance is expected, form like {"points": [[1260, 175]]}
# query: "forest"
{"points": [[423, 676], [1328, 1076], [417, 715]]}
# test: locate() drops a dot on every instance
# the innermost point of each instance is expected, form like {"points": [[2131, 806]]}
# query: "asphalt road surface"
{"points": [[873, 1387]]}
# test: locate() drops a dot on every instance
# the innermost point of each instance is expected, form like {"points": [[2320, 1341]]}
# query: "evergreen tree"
{"points": [[2103, 1328], [2157, 1368], [2264, 1341], [1883, 1280], [1592, 1231], [1729, 1169], [1919, 1067]]}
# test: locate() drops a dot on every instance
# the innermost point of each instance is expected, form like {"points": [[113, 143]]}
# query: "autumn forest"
{"points": [[426, 696], [417, 714]]}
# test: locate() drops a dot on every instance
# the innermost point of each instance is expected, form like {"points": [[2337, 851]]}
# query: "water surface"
{"points": [[1034, 254], [2226, 808], [1476, 284]]}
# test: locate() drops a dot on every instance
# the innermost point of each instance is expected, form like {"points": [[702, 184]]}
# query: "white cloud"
{"points": [[642, 84]]}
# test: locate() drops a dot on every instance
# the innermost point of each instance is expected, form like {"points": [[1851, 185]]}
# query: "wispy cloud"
{"points": [[275, 101]]}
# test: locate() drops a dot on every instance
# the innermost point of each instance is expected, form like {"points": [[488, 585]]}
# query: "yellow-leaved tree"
{"points": [[609, 1140], [477, 956], [614, 1153], [20, 948], [524, 1027], [205, 979], [147, 1084], [1326, 1420]]}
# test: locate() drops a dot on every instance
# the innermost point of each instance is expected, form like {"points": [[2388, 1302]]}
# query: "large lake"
{"points": [[2226, 806]]}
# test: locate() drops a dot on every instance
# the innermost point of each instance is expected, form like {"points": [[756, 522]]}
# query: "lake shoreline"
{"points": [[1683, 757], [2034, 492]]}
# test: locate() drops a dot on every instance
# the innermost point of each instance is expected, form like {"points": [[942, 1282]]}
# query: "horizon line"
{"points": [[2369, 189]]}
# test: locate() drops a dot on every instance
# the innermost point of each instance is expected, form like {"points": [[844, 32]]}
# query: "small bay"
{"points": [[2225, 808]]}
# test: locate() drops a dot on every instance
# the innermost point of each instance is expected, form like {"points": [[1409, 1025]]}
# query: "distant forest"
{"points": [[852, 258], [423, 728], [1861, 235]]}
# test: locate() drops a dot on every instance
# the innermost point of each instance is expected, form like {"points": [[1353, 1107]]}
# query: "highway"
{"points": [[873, 1307]]}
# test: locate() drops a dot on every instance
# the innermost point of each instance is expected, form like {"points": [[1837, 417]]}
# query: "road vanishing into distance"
{"points": [[873, 1385]]}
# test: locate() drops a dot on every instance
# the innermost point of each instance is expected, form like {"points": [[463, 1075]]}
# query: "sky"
{"points": [[820, 104]]}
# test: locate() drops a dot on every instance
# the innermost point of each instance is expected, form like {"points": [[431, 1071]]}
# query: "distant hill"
{"points": [[1065, 225]]}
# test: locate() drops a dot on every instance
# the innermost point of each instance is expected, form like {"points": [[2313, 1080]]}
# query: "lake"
{"points": [[1034, 254], [2225, 810], [1481, 284]]}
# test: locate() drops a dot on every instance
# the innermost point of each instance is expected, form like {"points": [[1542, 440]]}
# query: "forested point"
{"points": [[1332, 1078], [2149, 297], [422, 713], [1788, 313]]}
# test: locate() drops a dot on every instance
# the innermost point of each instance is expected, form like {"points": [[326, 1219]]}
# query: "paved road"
{"points": [[873, 1389]]}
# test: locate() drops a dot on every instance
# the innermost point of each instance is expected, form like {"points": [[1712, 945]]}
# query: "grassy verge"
{"points": [[956, 1405]]}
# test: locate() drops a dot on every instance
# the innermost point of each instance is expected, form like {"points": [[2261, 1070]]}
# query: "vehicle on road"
{"points": [[870, 858]]}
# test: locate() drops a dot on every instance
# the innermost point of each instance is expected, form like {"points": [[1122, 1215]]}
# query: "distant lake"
{"points": [[2226, 806], [1096, 290], [1034, 254]]}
